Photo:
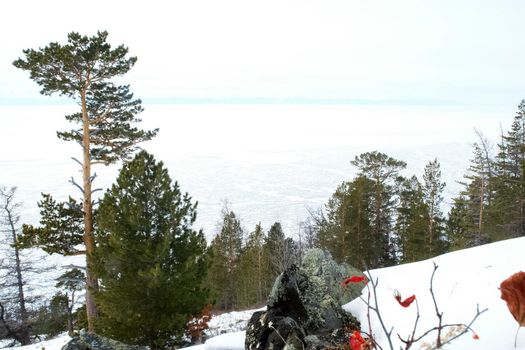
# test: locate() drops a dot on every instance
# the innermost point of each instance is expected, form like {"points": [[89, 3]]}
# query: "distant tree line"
{"points": [[148, 272]]}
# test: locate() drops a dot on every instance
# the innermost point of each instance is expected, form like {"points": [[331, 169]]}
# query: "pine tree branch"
{"points": [[77, 161], [74, 183]]}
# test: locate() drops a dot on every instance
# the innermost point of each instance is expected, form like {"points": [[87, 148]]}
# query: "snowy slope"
{"points": [[463, 280]]}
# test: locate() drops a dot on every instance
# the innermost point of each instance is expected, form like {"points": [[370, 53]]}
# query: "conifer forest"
{"points": [[148, 271]]}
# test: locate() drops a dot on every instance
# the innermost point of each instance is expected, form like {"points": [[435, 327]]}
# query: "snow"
{"points": [[51, 344], [229, 322], [463, 280]]}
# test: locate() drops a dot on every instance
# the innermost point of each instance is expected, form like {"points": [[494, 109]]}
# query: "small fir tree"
{"points": [[150, 260]]}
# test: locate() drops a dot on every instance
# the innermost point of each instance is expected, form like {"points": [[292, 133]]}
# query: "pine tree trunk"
{"points": [[89, 241]]}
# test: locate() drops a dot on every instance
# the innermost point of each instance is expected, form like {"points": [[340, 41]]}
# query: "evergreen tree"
{"points": [[346, 232], [469, 214], [281, 252], [508, 205], [383, 171], [150, 261], [252, 282], [71, 281], [82, 69], [412, 221], [226, 250], [433, 197]]}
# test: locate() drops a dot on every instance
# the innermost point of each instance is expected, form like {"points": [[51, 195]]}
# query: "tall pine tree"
{"points": [[82, 70], [346, 232], [383, 171], [150, 260]]}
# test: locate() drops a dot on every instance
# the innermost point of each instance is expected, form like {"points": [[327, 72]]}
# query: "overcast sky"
{"points": [[447, 52]]}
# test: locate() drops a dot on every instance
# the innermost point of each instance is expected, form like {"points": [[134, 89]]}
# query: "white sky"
{"points": [[445, 52]]}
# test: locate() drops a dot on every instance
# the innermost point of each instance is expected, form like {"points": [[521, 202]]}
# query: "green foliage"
{"points": [[359, 224], [280, 251], [72, 280], [64, 68], [253, 285], [150, 261], [61, 227], [52, 318], [383, 171], [226, 249], [412, 221], [491, 206], [347, 230], [508, 205], [82, 69]]}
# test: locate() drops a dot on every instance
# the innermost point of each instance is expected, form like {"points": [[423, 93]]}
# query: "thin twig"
{"points": [[438, 314], [411, 339], [376, 310]]}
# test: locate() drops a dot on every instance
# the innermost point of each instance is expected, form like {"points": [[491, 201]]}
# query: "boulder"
{"points": [[91, 341], [304, 307]]}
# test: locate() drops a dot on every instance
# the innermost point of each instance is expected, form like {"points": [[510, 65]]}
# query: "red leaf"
{"points": [[406, 302], [475, 336], [356, 341], [513, 292], [352, 279]]}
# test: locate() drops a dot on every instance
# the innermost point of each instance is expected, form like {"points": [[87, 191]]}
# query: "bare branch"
{"points": [[73, 182], [96, 190], [77, 161]]}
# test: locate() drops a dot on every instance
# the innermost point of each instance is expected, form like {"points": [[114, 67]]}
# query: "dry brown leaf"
{"points": [[513, 292]]}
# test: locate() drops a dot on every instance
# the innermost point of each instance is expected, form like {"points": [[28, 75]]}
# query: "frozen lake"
{"points": [[270, 162]]}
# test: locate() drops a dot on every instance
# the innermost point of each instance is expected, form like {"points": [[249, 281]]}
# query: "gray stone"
{"points": [[91, 341], [304, 307]]}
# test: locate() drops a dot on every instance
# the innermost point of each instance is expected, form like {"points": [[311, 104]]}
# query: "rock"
{"points": [[90, 341], [304, 308]]}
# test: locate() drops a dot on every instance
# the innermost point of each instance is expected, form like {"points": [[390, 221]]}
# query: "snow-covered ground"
{"points": [[463, 280]]}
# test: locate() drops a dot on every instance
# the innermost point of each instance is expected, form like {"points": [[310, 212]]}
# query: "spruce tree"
{"points": [[280, 251], [433, 197], [226, 250], [252, 283], [508, 205], [150, 260], [471, 211], [82, 70], [412, 222]]}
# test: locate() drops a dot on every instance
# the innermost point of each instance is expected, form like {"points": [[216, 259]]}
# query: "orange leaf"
{"points": [[513, 292]]}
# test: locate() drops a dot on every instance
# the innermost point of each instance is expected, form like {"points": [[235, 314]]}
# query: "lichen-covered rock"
{"points": [[322, 292], [90, 341], [304, 307], [319, 263]]}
